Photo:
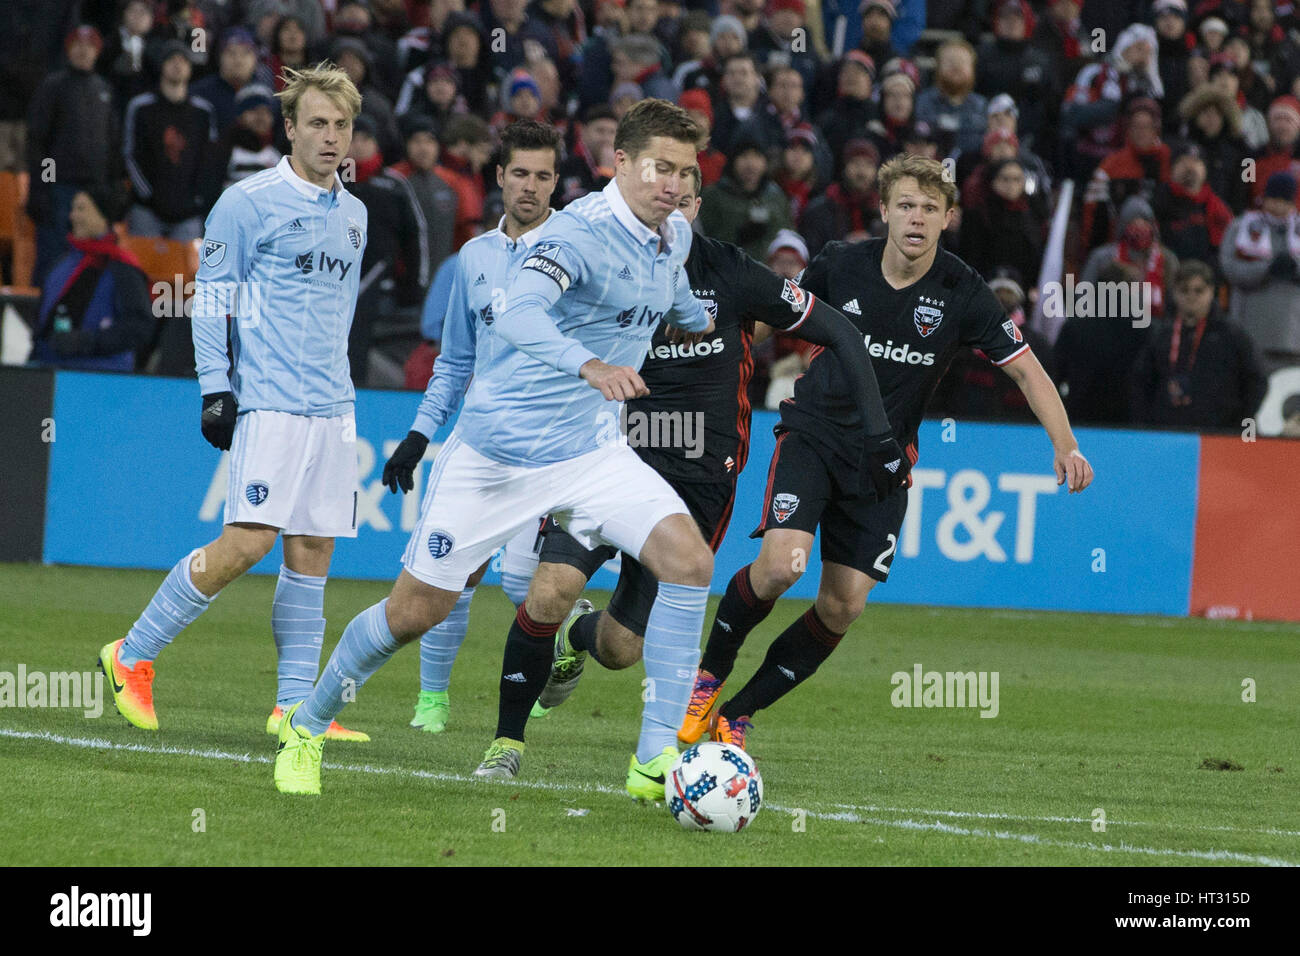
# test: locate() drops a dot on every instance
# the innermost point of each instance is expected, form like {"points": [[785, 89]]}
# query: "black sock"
{"points": [[524, 668], [582, 634], [739, 612], [792, 659]]}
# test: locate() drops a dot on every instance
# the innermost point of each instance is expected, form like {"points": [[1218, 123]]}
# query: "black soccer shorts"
{"points": [[810, 486], [710, 504]]}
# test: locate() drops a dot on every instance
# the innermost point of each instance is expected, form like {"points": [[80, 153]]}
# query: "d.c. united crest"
{"points": [[927, 319]]}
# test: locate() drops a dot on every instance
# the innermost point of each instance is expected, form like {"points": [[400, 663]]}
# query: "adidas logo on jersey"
{"points": [[480, 280], [892, 466], [626, 273], [852, 307], [297, 226], [897, 353], [516, 678]]}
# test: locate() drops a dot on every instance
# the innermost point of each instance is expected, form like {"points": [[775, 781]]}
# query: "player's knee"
{"points": [[692, 565], [246, 550], [772, 578], [551, 597], [838, 612], [409, 617]]}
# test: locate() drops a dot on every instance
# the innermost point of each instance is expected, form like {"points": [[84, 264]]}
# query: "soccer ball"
{"points": [[714, 786]]}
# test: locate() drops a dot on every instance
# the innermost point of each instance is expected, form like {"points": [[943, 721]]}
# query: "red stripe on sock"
{"points": [[820, 632], [533, 628]]}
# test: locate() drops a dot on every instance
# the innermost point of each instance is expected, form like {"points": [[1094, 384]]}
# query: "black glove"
{"points": [[884, 466], [400, 468], [1283, 267], [218, 419]]}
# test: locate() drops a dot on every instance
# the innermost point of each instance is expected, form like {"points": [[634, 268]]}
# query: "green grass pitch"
{"points": [[1124, 716]]}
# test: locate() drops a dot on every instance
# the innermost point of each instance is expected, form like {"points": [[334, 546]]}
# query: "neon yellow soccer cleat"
{"points": [[645, 781], [432, 708], [298, 758]]}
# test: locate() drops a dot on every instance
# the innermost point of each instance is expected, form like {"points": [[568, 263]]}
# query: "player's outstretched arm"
{"points": [[526, 322], [455, 363], [221, 295], [782, 304], [1072, 469]]}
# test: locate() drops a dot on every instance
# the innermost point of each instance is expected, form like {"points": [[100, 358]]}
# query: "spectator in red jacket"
{"points": [[797, 173], [850, 207], [1283, 137], [1132, 170], [466, 148], [1192, 218], [712, 161]]}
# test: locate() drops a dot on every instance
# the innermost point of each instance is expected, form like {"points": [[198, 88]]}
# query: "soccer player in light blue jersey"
{"points": [[538, 434], [530, 156], [278, 278]]}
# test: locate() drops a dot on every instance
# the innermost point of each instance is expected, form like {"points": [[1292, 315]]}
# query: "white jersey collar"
{"points": [[623, 213], [310, 190]]}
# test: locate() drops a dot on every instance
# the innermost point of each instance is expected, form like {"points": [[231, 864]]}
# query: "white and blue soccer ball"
{"points": [[714, 786]]}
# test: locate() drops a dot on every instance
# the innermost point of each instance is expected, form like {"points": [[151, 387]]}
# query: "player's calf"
{"points": [[414, 607]]}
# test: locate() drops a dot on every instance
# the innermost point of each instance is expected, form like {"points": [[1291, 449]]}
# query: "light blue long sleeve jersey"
{"points": [[478, 286], [282, 258], [596, 284]]}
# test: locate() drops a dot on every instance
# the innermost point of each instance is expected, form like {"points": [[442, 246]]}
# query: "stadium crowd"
{"points": [[1179, 121]]}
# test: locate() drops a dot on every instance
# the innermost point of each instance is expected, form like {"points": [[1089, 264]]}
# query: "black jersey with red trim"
{"points": [[709, 381], [911, 334]]}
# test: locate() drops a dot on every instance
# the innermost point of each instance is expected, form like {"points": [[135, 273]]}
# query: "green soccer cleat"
{"points": [[432, 709], [645, 781], [566, 665], [297, 758], [502, 759]]}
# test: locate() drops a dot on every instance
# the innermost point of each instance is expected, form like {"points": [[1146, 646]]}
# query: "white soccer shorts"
{"points": [[297, 473], [473, 505]]}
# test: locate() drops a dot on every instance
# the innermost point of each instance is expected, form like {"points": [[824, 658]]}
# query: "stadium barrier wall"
{"points": [[133, 484], [26, 435], [1248, 530]]}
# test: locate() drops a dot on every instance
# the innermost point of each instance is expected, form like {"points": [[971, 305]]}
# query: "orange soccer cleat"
{"points": [[132, 687], [336, 730], [703, 697], [726, 731]]}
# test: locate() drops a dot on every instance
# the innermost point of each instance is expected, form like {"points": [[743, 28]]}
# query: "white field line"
{"points": [[972, 814], [99, 743]]}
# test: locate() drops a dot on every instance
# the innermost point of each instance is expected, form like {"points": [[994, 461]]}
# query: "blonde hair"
{"points": [[327, 78], [929, 174]]}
